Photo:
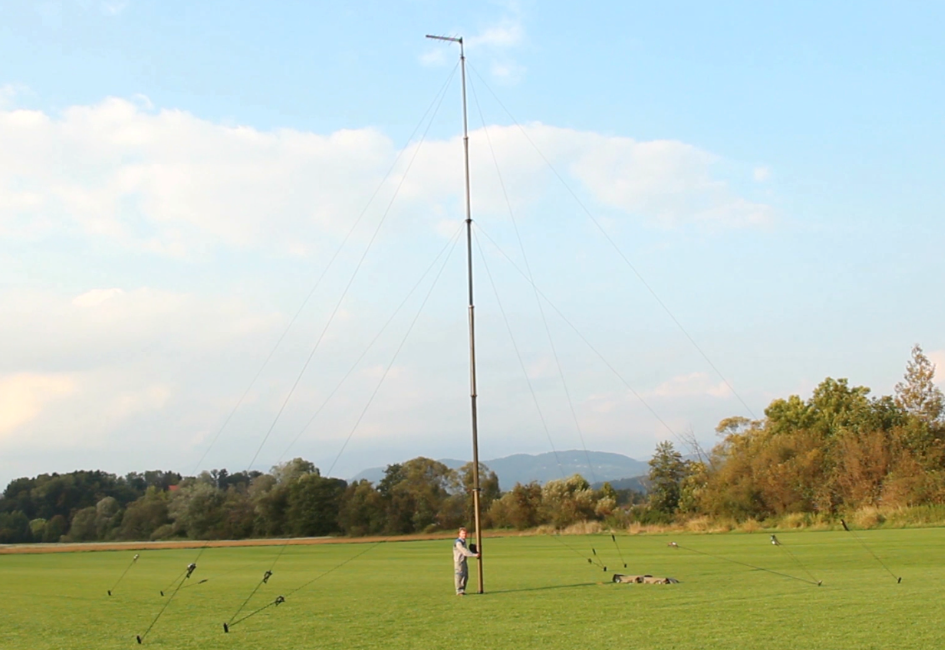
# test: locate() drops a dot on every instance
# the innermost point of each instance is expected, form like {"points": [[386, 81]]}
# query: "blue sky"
{"points": [[174, 177]]}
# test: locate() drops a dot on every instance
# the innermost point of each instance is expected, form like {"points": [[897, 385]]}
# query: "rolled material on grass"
{"points": [[643, 580]]}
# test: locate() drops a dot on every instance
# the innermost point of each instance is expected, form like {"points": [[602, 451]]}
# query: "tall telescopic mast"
{"points": [[472, 319]]}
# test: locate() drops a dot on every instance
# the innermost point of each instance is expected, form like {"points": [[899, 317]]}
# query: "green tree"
{"points": [[415, 493], [734, 425], [270, 506], [840, 449], [55, 529], [362, 510], [665, 478], [14, 528], [918, 394], [144, 516], [196, 509], [567, 501], [393, 474], [488, 492], [518, 508], [313, 505], [83, 528], [238, 516], [606, 501], [38, 527], [17, 496], [107, 517], [692, 487], [156, 478], [292, 470]]}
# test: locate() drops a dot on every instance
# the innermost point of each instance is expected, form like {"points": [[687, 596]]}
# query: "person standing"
{"points": [[461, 569]]}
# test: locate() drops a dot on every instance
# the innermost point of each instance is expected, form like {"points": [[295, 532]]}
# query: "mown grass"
{"points": [[540, 594]]}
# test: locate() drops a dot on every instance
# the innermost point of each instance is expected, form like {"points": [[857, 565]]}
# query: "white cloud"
{"points": [[129, 403], [434, 58], [102, 328], [507, 71], [375, 372], [23, 397], [53, 411], [96, 297], [604, 403], [691, 385], [113, 7], [667, 181], [543, 368], [8, 93], [138, 372], [663, 182], [509, 33], [496, 43], [173, 184], [142, 101], [148, 373], [761, 174], [616, 417]]}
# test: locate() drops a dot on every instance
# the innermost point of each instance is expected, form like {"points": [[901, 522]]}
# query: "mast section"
{"points": [[472, 318]]}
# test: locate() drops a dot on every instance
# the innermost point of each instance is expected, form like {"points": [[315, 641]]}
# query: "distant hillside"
{"points": [[636, 483], [523, 468]]}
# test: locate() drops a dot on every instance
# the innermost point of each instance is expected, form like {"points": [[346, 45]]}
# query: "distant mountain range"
{"points": [[523, 468], [636, 483]]}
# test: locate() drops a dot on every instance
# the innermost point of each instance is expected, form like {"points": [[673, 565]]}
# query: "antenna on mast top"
{"points": [[451, 39]]}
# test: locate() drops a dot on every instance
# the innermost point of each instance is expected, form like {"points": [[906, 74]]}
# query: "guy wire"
{"points": [[354, 275], [140, 638], [354, 365], [745, 564], [281, 599], [541, 310], [324, 272], [199, 553], [451, 246], [581, 336], [863, 544], [575, 551], [230, 571], [518, 354], [778, 543], [394, 358], [613, 244], [619, 553], [597, 559], [121, 577], [173, 582], [435, 104], [262, 581]]}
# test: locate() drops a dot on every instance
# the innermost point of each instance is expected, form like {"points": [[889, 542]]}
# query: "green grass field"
{"points": [[540, 594]]}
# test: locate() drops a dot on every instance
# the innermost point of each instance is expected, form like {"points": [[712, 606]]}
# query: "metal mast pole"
{"points": [[472, 318]]}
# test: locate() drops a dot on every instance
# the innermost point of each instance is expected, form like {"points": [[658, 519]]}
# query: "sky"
{"points": [[232, 233]]}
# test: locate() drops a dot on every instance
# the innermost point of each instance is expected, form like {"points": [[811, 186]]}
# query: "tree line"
{"points": [[836, 452], [291, 500]]}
